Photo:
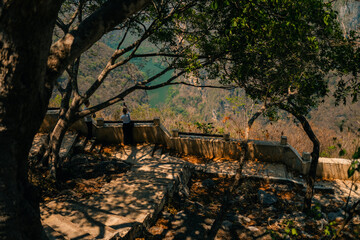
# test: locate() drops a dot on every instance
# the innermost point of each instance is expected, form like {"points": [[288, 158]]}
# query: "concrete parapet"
{"points": [[175, 133], [49, 121], [306, 156], [211, 146], [156, 121], [100, 122], [334, 168], [283, 140]]}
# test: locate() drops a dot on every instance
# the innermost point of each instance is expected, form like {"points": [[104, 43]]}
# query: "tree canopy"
{"points": [[280, 52]]}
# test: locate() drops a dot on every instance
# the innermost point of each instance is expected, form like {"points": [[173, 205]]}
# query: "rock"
{"points": [[256, 231], [322, 223], [271, 209], [266, 198], [166, 215], [226, 225], [243, 219], [253, 229], [208, 183], [336, 216], [156, 230], [356, 219]]}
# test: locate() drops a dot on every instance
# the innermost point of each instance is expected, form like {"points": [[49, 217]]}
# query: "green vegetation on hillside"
{"points": [[148, 66], [91, 64]]}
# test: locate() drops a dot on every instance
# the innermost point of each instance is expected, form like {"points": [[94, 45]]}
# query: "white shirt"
{"points": [[125, 118]]}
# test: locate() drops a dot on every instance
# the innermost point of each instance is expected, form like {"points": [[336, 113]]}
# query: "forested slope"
{"points": [[91, 64]]}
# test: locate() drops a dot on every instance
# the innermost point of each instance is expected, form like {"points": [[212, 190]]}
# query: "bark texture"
{"points": [[68, 48], [310, 178], [25, 39], [28, 69]]}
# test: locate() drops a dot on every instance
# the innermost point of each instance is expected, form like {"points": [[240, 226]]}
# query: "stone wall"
{"points": [[210, 147], [207, 147]]}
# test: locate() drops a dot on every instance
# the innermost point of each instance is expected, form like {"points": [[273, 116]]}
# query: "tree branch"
{"points": [[124, 37], [68, 48], [119, 52]]}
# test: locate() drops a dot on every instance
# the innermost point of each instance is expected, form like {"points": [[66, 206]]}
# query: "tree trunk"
{"points": [[27, 75], [66, 119], [56, 138], [251, 122], [310, 178], [25, 39]]}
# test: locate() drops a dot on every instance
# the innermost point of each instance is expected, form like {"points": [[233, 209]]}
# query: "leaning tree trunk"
{"points": [[56, 138], [310, 178], [66, 119], [25, 39]]}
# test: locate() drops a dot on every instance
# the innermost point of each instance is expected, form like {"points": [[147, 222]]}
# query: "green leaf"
{"points": [[351, 171], [287, 230], [294, 232], [214, 5], [356, 155], [342, 152], [326, 18]]}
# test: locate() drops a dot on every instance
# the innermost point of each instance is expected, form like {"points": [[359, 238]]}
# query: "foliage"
{"points": [[316, 211], [329, 229], [55, 101], [354, 167], [205, 127], [290, 229], [279, 51]]}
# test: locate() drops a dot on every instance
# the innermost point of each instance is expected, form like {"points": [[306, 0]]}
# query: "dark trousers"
{"points": [[89, 130], [128, 136]]}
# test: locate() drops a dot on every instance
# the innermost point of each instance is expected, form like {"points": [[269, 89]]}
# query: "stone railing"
{"points": [[208, 145]]}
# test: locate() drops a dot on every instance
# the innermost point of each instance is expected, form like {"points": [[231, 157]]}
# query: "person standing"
{"points": [[127, 126], [88, 121]]}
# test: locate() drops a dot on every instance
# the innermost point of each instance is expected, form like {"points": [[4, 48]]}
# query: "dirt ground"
{"points": [[249, 217], [258, 210], [80, 177]]}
